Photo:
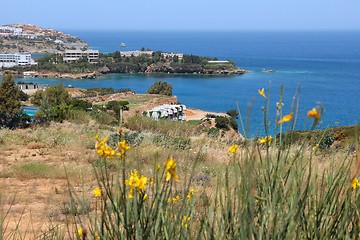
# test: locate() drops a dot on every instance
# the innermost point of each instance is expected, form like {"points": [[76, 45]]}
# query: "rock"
{"points": [[104, 70]]}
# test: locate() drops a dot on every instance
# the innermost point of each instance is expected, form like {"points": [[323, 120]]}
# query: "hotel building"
{"points": [[75, 55]]}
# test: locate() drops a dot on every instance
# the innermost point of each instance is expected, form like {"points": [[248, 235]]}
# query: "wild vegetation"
{"points": [[174, 180], [160, 87], [10, 104]]}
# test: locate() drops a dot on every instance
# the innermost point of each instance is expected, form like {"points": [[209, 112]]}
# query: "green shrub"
{"points": [[80, 104], [23, 96], [103, 118], [78, 116], [326, 139], [115, 106], [134, 138], [160, 87], [10, 104], [233, 124], [173, 142], [54, 103], [213, 132], [36, 98], [54, 113], [224, 123], [233, 113]]}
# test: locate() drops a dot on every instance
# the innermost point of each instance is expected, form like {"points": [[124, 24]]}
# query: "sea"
{"points": [[319, 67]]}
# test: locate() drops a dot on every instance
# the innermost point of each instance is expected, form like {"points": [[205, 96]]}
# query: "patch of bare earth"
{"points": [[34, 177]]}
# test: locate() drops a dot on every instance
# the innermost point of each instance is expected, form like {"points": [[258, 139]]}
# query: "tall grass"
{"points": [[165, 127], [269, 189]]}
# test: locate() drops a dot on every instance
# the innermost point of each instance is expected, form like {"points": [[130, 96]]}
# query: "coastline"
{"points": [[98, 74], [142, 102]]}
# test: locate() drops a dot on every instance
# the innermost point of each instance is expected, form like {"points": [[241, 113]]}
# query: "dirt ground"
{"points": [[36, 164]]}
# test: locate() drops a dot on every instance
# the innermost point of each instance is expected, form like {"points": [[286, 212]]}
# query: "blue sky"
{"points": [[185, 14]]}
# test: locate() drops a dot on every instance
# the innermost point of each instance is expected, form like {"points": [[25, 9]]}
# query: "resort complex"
{"points": [[75, 55], [167, 111], [8, 60]]}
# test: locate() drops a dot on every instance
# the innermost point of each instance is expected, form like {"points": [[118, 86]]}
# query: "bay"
{"points": [[326, 66]]}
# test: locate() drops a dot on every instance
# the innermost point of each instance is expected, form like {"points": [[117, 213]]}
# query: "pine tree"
{"points": [[10, 103]]}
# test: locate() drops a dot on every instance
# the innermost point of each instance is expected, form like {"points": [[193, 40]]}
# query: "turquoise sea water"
{"points": [[326, 65], [31, 111]]}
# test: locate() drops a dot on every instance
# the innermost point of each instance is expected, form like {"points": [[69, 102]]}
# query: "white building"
{"points": [[75, 55], [218, 61], [16, 59], [5, 30], [167, 111], [136, 53], [32, 86], [171, 55], [57, 41]]}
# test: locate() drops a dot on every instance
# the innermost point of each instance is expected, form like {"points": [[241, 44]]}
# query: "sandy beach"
{"points": [[197, 114]]}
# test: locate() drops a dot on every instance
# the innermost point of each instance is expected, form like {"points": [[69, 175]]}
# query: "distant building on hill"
{"points": [[32, 86], [218, 61], [75, 55], [10, 31], [16, 59], [136, 53], [171, 55]]}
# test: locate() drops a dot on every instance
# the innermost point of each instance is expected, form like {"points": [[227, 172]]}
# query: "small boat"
{"points": [[122, 44]]}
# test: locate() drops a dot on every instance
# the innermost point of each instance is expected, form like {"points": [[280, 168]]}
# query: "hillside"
{"points": [[34, 39]]}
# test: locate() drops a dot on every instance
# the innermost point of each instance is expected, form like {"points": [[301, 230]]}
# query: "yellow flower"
{"points": [[135, 182], [141, 183], [97, 236], [80, 232], [97, 192], [174, 200], [190, 194], [170, 169], [102, 149], [355, 183], [314, 113], [122, 147], [151, 181], [145, 197], [109, 152], [131, 193], [158, 167], [286, 118], [185, 221], [267, 139], [100, 142], [262, 92], [233, 148], [315, 147]]}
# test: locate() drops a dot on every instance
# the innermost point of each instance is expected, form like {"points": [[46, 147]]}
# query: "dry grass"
{"points": [[36, 165]]}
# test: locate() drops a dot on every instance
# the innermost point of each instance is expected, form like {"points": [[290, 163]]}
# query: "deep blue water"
{"points": [[326, 65]]}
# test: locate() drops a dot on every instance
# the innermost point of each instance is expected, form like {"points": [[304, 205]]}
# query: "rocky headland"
{"points": [[34, 39]]}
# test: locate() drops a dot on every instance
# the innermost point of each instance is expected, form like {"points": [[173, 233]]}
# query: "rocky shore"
{"points": [[90, 75]]}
